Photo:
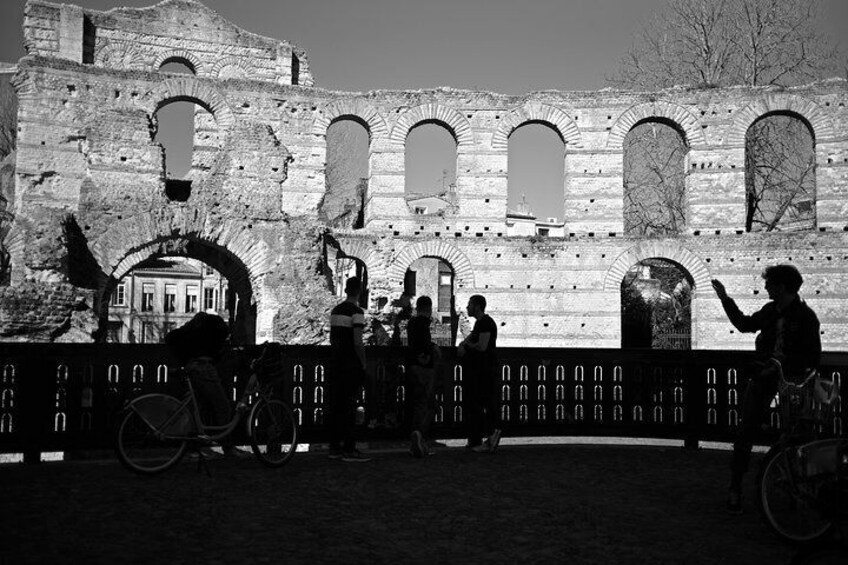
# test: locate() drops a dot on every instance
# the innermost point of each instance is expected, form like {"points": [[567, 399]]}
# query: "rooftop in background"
{"points": [[168, 266]]}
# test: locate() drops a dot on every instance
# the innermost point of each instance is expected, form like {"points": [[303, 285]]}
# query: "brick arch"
{"points": [[178, 54], [458, 125], [377, 127], [230, 62], [462, 269], [189, 88], [120, 55], [683, 118], [365, 253], [132, 240], [15, 244], [669, 250], [536, 112], [811, 112]]}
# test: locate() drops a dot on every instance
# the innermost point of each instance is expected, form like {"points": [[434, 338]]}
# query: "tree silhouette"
{"points": [[719, 43], [729, 42]]}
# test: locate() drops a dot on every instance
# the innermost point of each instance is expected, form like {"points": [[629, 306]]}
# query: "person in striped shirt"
{"points": [[347, 373]]}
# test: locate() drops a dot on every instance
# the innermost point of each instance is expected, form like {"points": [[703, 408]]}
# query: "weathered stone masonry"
{"points": [[90, 86]]}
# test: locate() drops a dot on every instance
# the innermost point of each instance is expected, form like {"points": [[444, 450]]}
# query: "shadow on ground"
{"points": [[553, 504]]}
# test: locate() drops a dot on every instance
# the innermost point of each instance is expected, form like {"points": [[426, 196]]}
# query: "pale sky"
{"points": [[506, 46]]}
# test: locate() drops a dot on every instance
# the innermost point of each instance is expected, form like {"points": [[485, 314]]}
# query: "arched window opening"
{"points": [[430, 160], [654, 179], [433, 277], [780, 174], [177, 65], [656, 306], [346, 175], [163, 293], [346, 267], [188, 135], [536, 165], [89, 40], [295, 70]]}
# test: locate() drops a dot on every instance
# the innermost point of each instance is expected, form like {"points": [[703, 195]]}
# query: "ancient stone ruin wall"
{"points": [[145, 38], [86, 148]]}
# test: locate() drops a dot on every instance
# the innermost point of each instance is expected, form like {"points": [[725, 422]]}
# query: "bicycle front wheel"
{"points": [[789, 501], [273, 432], [144, 451]]}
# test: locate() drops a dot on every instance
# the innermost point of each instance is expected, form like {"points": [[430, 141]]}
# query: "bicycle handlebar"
{"points": [[784, 385]]}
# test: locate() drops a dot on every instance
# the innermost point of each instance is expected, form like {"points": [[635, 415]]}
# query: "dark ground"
{"points": [[541, 504]]}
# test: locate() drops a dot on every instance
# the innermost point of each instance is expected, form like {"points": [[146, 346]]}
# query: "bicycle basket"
{"points": [[269, 365], [825, 389], [811, 402]]}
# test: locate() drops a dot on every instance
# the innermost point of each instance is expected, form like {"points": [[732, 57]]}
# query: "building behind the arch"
{"points": [[90, 86]]}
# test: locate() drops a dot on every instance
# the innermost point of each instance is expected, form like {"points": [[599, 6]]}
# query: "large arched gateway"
{"points": [[161, 308]]}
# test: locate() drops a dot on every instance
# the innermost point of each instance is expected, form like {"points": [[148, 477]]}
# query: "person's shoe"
{"points": [[734, 501], [494, 439], [482, 448], [236, 453], [207, 453], [417, 448], [355, 456], [335, 454]]}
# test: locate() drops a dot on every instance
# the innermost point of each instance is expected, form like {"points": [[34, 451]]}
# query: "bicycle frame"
{"points": [[189, 404], [156, 429], [802, 479]]}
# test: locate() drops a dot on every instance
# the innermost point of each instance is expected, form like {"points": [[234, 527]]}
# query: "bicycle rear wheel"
{"points": [[144, 451], [789, 502], [273, 432]]}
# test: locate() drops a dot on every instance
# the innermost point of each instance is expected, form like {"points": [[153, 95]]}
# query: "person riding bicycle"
{"points": [[198, 345], [788, 339]]}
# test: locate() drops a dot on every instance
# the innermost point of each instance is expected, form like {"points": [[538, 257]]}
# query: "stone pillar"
{"points": [[831, 185], [385, 200], [715, 188], [594, 192], [266, 308], [283, 64], [70, 33]]}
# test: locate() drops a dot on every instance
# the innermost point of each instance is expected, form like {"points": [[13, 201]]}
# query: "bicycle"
{"points": [[803, 481], [157, 429]]}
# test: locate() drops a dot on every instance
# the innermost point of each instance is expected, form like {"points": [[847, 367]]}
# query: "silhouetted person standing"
{"points": [[788, 338], [347, 373], [479, 366], [422, 355]]}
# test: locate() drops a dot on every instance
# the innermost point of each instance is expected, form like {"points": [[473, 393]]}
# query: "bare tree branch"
{"points": [[654, 179], [724, 43]]}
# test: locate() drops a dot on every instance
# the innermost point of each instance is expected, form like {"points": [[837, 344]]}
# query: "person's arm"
{"points": [[480, 344], [810, 350], [740, 321], [358, 346], [358, 322]]}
